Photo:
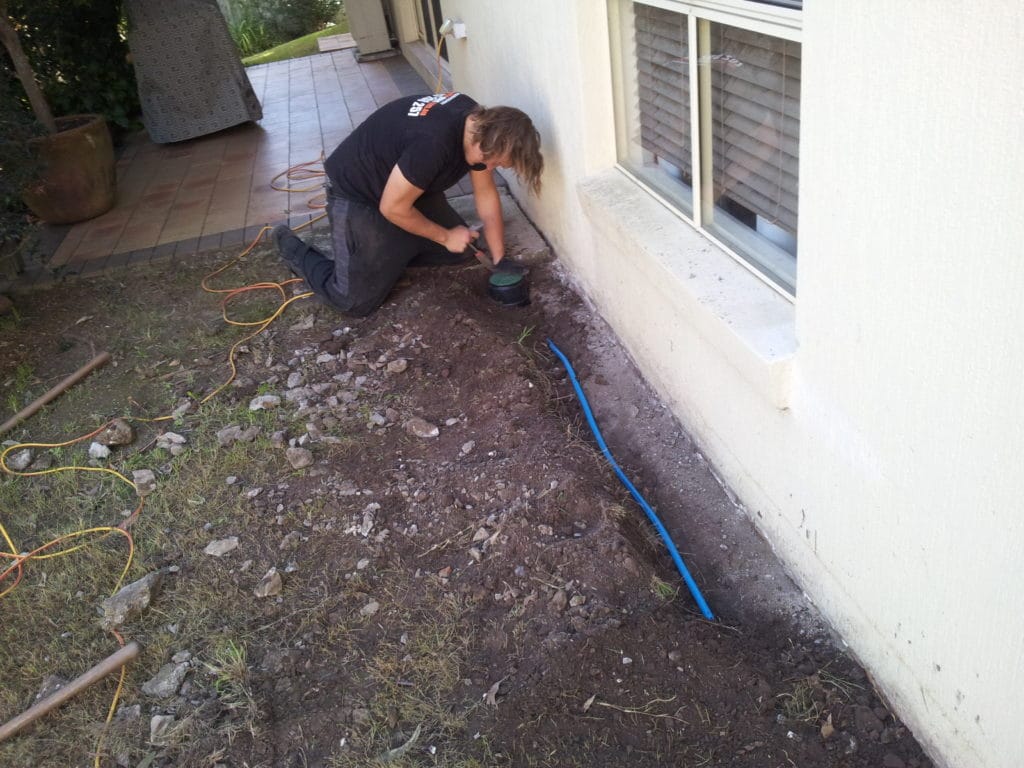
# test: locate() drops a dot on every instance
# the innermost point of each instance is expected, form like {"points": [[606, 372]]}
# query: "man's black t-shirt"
{"points": [[421, 135]]}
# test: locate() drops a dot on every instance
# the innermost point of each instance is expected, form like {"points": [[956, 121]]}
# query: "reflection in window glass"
{"points": [[663, 96], [750, 190]]}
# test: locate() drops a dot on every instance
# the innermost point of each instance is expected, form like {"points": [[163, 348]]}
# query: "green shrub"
{"points": [[17, 164], [251, 36], [79, 54], [257, 25]]}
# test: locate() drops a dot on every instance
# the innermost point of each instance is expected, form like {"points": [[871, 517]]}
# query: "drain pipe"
{"points": [[680, 565]]}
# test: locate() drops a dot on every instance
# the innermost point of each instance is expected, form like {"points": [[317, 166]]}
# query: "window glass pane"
{"points": [[660, 149], [754, 125]]}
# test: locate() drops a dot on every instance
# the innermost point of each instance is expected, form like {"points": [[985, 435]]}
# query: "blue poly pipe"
{"points": [[680, 565]]}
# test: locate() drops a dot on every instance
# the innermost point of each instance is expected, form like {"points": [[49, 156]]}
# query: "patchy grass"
{"points": [[49, 621], [229, 666], [415, 674], [814, 698]]}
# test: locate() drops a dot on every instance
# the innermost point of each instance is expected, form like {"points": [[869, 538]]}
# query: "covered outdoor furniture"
{"points": [[190, 78]]}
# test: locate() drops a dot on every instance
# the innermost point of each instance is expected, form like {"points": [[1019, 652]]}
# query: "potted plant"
{"points": [[77, 180]]}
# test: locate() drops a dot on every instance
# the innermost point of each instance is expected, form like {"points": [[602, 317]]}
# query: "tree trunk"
{"points": [[25, 74]]}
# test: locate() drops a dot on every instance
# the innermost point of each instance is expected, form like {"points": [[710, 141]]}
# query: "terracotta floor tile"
{"points": [[98, 249], [66, 250], [136, 238], [172, 234], [223, 223], [170, 196]]}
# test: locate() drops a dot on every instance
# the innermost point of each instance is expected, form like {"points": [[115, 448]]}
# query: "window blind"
{"points": [[756, 122], [663, 84]]}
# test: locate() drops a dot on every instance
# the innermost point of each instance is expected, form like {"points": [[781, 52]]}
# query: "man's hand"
{"points": [[457, 239]]}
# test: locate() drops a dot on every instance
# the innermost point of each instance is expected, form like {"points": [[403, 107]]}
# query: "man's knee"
{"points": [[361, 310], [355, 306]]}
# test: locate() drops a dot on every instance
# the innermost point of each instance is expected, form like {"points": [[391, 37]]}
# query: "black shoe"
{"points": [[281, 235]]}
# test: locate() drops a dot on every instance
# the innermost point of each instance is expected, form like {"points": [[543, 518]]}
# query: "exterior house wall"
{"points": [[872, 427]]}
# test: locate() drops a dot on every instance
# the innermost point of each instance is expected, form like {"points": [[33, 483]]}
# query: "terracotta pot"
{"points": [[78, 178]]}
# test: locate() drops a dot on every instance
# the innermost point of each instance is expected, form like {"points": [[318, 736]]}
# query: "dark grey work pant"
{"points": [[370, 253]]}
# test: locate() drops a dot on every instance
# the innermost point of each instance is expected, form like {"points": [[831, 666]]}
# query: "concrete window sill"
{"points": [[737, 314]]}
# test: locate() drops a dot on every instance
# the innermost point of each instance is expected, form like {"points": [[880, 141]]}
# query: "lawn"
{"points": [[293, 49]]}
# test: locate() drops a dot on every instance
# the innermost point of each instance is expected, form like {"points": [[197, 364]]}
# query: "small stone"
{"points": [[560, 600], [19, 460], [370, 608], [467, 447], [294, 379], [398, 366], [299, 394], [264, 403], [420, 428], [235, 434], [43, 461], [128, 714], [172, 442], [221, 547], [145, 481], [270, 585], [117, 432], [481, 534], [99, 451], [129, 601], [181, 657], [159, 727], [166, 682], [578, 600], [182, 408], [299, 457]]}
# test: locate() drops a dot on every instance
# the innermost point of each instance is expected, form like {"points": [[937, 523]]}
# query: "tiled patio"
{"points": [[215, 192]]}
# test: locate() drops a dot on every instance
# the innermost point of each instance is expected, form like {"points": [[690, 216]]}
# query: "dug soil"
{"points": [[464, 579]]}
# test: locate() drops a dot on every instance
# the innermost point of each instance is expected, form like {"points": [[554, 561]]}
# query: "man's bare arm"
{"points": [[488, 208], [397, 206]]}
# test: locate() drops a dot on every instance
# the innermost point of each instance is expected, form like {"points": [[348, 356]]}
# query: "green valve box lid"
{"points": [[505, 279]]}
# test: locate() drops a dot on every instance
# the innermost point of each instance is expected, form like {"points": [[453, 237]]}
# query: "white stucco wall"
{"points": [[872, 428]]}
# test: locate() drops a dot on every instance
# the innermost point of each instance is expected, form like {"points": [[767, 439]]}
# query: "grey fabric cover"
{"points": [[190, 78]]}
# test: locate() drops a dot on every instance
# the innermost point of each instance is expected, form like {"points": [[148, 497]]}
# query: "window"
{"points": [[429, 18], [708, 117]]}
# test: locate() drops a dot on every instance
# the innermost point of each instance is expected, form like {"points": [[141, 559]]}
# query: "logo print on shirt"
{"points": [[422, 106]]}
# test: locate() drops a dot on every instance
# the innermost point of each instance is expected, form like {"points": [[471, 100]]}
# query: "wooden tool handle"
{"points": [[74, 378], [110, 664]]}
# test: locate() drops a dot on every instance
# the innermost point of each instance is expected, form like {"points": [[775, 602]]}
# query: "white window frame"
{"points": [[767, 19]]}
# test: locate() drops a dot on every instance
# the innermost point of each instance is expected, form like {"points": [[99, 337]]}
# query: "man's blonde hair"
{"points": [[509, 131]]}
